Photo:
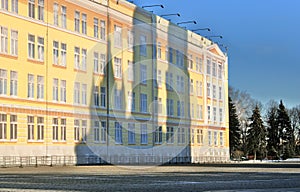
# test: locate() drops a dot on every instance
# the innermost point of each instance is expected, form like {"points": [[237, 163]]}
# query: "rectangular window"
{"points": [[208, 89], [214, 69], [103, 132], [215, 138], [118, 133], [77, 21], [76, 58], [118, 36], [103, 97], [170, 55], [63, 54], [220, 71], [215, 114], [55, 14], [143, 103], [159, 50], [3, 126], [76, 130], [131, 133], [41, 10], [14, 43], [30, 87], [55, 52], [40, 87], [96, 96], [130, 40], [40, 128], [63, 91], [170, 107], [221, 139], [181, 135], [199, 111], [63, 17], [83, 23], [63, 129], [84, 94], [209, 138], [102, 30], [144, 133], [118, 99], [96, 131], [31, 9], [190, 61], [55, 89], [159, 78], [158, 135], [118, 67], [208, 67], [143, 45], [30, 128], [169, 80], [220, 93], [31, 42], [170, 135], [13, 83], [77, 93], [191, 86], [143, 74], [131, 101], [4, 40], [40, 48], [192, 111], [214, 91], [130, 71], [83, 131], [192, 136], [96, 62], [14, 6], [199, 136], [221, 115], [96, 28], [4, 4], [179, 59], [83, 59], [102, 63], [3, 82], [55, 129], [13, 127], [208, 113]]}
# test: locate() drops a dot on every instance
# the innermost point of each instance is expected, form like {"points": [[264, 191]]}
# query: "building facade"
{"points": [[105, 81]]}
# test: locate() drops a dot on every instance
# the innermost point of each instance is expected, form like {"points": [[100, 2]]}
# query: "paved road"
{"points": [[230, 177]]}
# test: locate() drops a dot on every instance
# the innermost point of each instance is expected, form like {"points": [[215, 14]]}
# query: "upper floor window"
{"points": [[3, 82], [31, 42], [118, 67], [102, 30], [118, 36], [96, 28], [4, 40], [77, 21], [13, 83], [14, 6], [4, 4], [14, 42], [40, 48], [41, 10], [63, 17], [55, 14], [143, 45], [130, 40], [83, 23], [31, 9], [208, 67]]}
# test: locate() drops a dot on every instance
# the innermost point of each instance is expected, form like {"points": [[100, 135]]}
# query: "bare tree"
{"points": [[294, 114]]}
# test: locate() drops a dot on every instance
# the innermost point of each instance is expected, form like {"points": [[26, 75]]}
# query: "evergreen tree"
{"points": [[256, 137], [234, 128], [286, 134], [273, 132]]}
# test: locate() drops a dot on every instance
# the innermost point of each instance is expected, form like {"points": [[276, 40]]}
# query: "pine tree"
{"points": [[256, 134], [273, 133], [234, 128], [286, 134]]}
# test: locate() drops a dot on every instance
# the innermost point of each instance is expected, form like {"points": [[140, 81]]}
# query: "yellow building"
{"points": [[101, 81]]}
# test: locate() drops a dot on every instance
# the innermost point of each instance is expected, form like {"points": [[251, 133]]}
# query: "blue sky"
{"points": [[262, 36]]}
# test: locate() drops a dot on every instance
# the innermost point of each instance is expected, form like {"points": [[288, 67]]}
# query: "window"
{"points": [[215, 138], [14, 6], [158, 135], [31, 11], [180, 84], [214, 69], [102, 30], [130, 40], [63, 54], [40, 48], [199, 136], [192, 111], [144, 134], [77, 93], [4, 4], [102, 63], [208, 113], [131, 133], [220, 71], [215, 114], [118, 133], [180, 108], [103, 132], [30, 87], [103, 96], [83, 131], [221, 115], [198, 64], [31, 42], [159, 50], [63, 17], [55, 14], [118, 99], [118, 67], [83, 23], [199, 112], [130, 71], [214, 91], [84, 94], [63, 91], [158, 105], [3, 82], [118, 36], [96, 131], [192, 136], [143, 103], [83, 59], [170, 55], [209, 138], [55, 52], [143, 74], [76, 130], [63, 129], [40, 87], [220, 93], [96, 28], [14, 43], [179, 59], [221, 139], [159, 78], [55, 129], [131, 101], [4, 40], [41, 10], [76, 57], [3, 126], [96, 96], [170, 135], [13, 83], [169, 80], [191, 86], [30, 127], [96, 62], [143, 45], [180, 135], [40, 128], [55, 89], [190, 61], [170, 107], [208, 67], [208, 89], [77, 21], [13, 127]]}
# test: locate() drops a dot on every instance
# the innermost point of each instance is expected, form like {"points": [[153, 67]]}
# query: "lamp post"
{"points": [[219, 36], [145, 6], [208, 29], [172, 14], [185, 22]]}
